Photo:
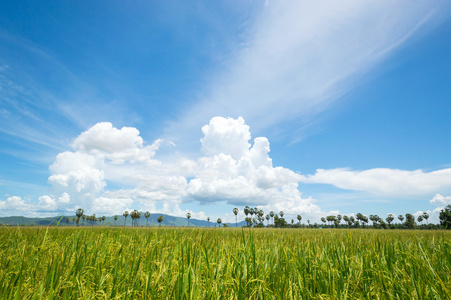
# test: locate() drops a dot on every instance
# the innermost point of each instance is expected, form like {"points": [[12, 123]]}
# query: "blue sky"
{"points": [[155, 106]]}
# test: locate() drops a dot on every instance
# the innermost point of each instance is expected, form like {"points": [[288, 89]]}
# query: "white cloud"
{"points": [[233, 171], [15, 206], [440, 200], [111, 206], [226, 136], [48, 204], [238, 173], [110, 170], [386, 182], [117, 145]]}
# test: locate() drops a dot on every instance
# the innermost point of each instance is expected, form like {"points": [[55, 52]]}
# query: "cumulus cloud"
{"points": [[234, 170], [440, 200], [111, 170], [226, 136], [238, 172], [387, 182], [15, 206], [117, 145]]}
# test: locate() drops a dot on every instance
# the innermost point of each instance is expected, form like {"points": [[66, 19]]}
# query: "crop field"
{"points": [[225, 263]]}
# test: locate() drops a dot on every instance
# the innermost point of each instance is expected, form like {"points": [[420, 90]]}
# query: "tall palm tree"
{"points": [[133, 216], [103, 219], [251, 212], [246, 210], [271, 214], [160, 219], [147, 215], [188, 215], [281, 213], [346, 219], [208, 220], [420, 219], [138, 217], [235, 211], [219, 222], [125, 214], [115, 220], [426, 217], [401, 218], [371, 217], [79, 212], [267, 220], [390, 218], [299, 219], [84, 218]]}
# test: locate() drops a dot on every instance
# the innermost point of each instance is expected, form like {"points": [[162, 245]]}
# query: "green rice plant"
{"points": [[229, 263]]}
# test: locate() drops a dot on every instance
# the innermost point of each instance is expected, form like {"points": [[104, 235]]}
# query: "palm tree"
{"points": [[147, 215], [246, 210], [115, 219], [67, 220], [420, 219], [133, 215], [79, 212], [267, 220], [188, 215], [371, 217], [323, 220], [271, 214], [208, 220], [235, 211], [125, 214], [84, 218], [299, 219], [139, 217], [276, 220], [426, 217], [160, 219], [346, 219], [281, 214], [219, 222], [390, 218], [401, 218], [103, 219]]}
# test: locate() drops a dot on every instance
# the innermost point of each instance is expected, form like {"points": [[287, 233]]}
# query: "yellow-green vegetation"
{"points": [[190, 263]]}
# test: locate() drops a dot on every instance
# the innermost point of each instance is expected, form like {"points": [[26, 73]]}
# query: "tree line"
{"points": [[255, 217]]}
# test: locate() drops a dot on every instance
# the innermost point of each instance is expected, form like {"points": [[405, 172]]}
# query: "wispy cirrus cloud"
{"points": [[300, 57]]}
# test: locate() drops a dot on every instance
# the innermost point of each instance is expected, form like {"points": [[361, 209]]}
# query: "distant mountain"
{"points": [[109, 221]]}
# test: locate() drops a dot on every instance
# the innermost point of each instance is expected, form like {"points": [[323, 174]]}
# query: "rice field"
{"points": [[226, 263]]}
